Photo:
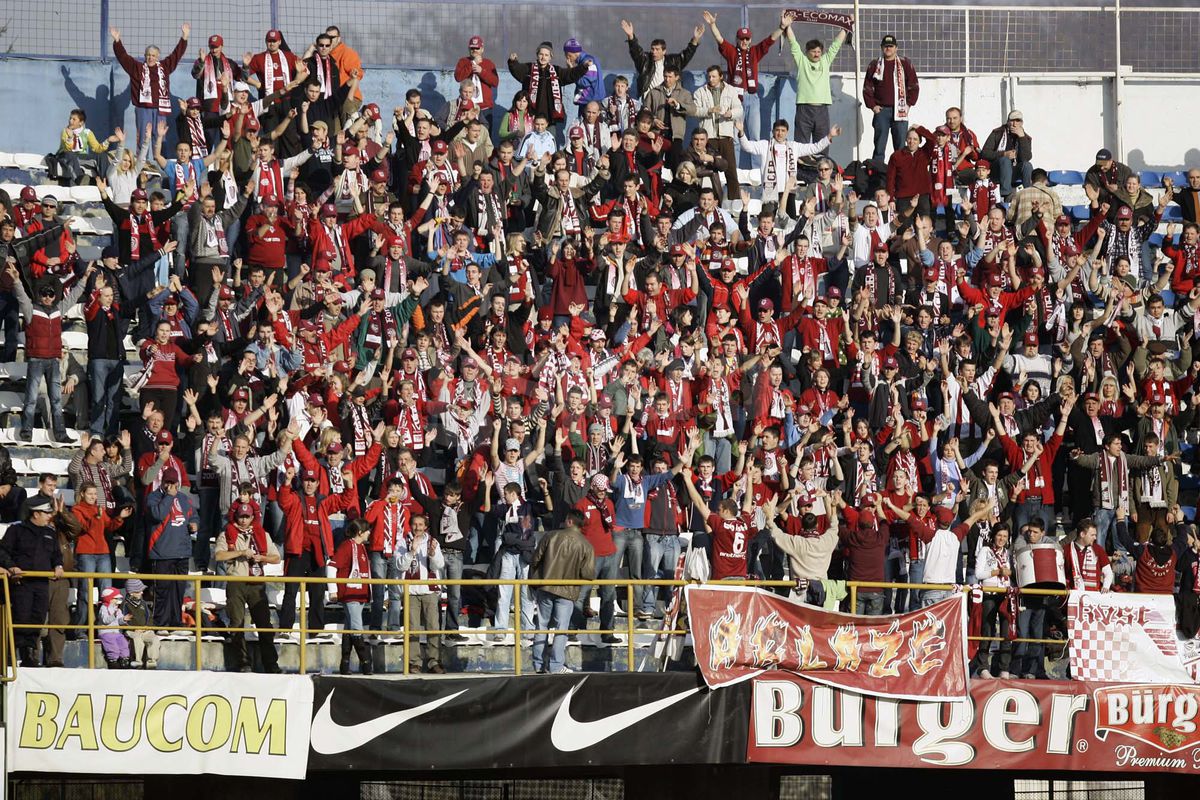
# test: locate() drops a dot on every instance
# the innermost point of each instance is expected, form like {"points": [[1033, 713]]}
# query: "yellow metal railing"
{"points": [[8, 652]]}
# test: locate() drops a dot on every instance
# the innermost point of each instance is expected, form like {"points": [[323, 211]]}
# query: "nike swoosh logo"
{"points": [[329, 738], [569, 734]]}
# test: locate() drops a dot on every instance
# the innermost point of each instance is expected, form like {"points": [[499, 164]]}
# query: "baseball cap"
{"points": [[600, 482], [890, 362], [1014, 116], [931, 273], [164, 437], [743, 33], [598, 335], [243, 510], [170, 475], [833, 293], [109, 594], [766, 304], [371, 110], [316, 401], [28, 193], [1091, 396], [919, 405], [727, 264], [171, 300], [995, 279], [242, 86], [575, 132], [309, 475], [1031, 338], [880, 247], [475, 41], [983, 163], [1125, 212], [226, 293], [274, 36], [379, 176], [512, 444], [605, 401], [350, 151], [328, 210], [215, 40], [678, 250], [1062, 219], [888, 40], [1104, 154], [942, 130], [992, 313], [572, 45], [1005, 396], [944, 516], [438, 146], [242, 394], [334, 448], [342, 366], [193, 102], [409, 353], [378, 293]]}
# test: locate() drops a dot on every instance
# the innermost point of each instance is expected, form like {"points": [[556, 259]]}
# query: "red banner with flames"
{"points": [[739, 632], [1006, 725]]}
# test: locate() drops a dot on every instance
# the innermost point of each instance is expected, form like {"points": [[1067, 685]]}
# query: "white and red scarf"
{"points": [[900, 110], [535, 77]]}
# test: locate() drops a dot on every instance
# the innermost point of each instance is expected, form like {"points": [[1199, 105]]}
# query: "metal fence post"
{"points": [[91, 625], [858, 103], [405, 608], [275, 14], [198, 609], [629, 622], [303, 626], [104, 30], [1118, 89]]}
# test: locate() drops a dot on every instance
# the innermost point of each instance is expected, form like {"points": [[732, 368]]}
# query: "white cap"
{"points": [[241, 86]]}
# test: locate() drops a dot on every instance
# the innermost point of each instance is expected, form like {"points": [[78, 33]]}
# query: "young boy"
{"points": [[139, 613], [78, 148]]}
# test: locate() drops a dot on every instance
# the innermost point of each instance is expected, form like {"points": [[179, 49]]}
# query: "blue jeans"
{"points": [[104, 387], [554, 613], [931, 596], [511, 568], [454, 569], [1004, 172], [629, 544], [1027, 512], [885, 122], [722, 452], [607, 568], [661, 552], [354, 615], [52, 370], [180, 228], [89, 562], [916, 574], [384, 568], [1031, 624], [146, 117], [869, 603], [752, 121], [1106, 521]]}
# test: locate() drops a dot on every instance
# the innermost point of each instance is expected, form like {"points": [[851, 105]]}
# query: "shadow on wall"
{"points": [[1136, 161]]}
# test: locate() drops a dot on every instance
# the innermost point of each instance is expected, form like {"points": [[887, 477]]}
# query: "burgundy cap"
{"points": [[334, 448], [243, 510], [322, 264], [983, 163], [1005, 396], [678, 250], [919, 404], [170, 475], [833, 293], [743, 33], [269, 202], [1062, 219], [409, 353], [226, 293], [342, 366], [378, 293], [379, 175], [727, 264], [1091, 396], [316, 401], [193, 102], [944, 516], [328, 210], [274, 36], [890, 362], [1125, 212], [241, 394], [28, 193], [371, 110], [438, 146], [171, 300], [545, 312], [802, 410], [164, 437], [350, 151], [309, 475], [466, 105], [605, 401], [869, 500], [880, 247], [943, 130], [475, 41], [766, 305], [395, 240], [136, 194], [1031, 338], [995, 279], [576, 132], [992, 313], [215, 40]]}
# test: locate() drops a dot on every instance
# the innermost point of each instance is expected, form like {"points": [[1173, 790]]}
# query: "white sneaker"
{"points": [[564, 670], [985, 674], [1005, 675]]}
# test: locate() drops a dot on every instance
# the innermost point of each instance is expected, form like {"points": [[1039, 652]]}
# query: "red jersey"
{"points": [[730, 539]]}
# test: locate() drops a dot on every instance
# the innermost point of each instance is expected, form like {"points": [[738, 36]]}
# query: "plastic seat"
{"points": [[1150, 178], [1081, 212], [85, 194], [52, 466], [7, 160], [1172, 213], [1155, 240], [29, 161], [1065, 177]]}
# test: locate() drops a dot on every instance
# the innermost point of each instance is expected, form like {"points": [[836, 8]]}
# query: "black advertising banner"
{"points": [[601, 719]]}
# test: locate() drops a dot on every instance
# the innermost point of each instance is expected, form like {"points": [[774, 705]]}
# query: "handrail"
{"points": [[8, 653]]}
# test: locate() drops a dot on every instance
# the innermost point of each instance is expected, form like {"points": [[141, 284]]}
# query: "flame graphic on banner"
{"points": [[806, 650], [724, 636], [888, 643], [768, 642], [846, 647], [928, 638]]}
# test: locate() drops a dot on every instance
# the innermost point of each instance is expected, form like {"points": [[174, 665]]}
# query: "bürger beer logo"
{"points": [[1163, 716]]}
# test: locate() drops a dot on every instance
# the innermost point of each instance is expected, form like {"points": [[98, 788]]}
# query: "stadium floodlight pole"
{"points": [[858, 108], [1117, 87]]}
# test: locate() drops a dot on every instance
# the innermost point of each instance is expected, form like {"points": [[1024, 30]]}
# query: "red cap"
{"points": [[802, 410], [342, 366], [170, 475], [316, 401], [215, 40], [334, 448], [678, 250], [833, 293], [743, 33], [944, 516], [309, 475], [1062, 219], [193, 102], [274, 36], [395, 240], [880, 247], [409, 353], [1125, 212], [226, 293], [1091, 396], [466, 105], [727, 264], [605, 401], [992, 313], [475, 41], [995, 279], [943, 130], [379, 175], [919, 404], [983, 164], [323, 264], [931, 273], [1031, 338], [350, 150], [890, 362], [28, 193], [545, 313], [242, 394], [1005, 396], [243, 510], [329, 210], [438, 146], [766, 305], [371, 110], [136, 194], [164, 437], [378, 293]]}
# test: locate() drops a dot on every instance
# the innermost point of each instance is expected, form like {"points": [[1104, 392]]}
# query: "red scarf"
{"points": [[258, 539], [535, 76], [135, 235]]}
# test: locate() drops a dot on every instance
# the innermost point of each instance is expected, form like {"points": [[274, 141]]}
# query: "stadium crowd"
{"points": [[407, 343]]}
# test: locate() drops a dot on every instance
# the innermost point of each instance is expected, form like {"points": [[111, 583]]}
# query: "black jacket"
{"points": [[30, 548], [645, 68], [991, 147]]}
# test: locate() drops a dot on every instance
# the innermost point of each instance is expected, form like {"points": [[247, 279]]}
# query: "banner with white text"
{"points": [[739, 632], [166, 723], [1004, 725], [1126, 638]]}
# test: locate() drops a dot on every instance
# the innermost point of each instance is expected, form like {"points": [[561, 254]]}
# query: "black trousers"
{"points": [[812, 123], [30, 603], [248, 598], [168, 595], [304, 566]]}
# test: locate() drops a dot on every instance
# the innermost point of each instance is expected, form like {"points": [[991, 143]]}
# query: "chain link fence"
{"points": [[978, 38]]}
